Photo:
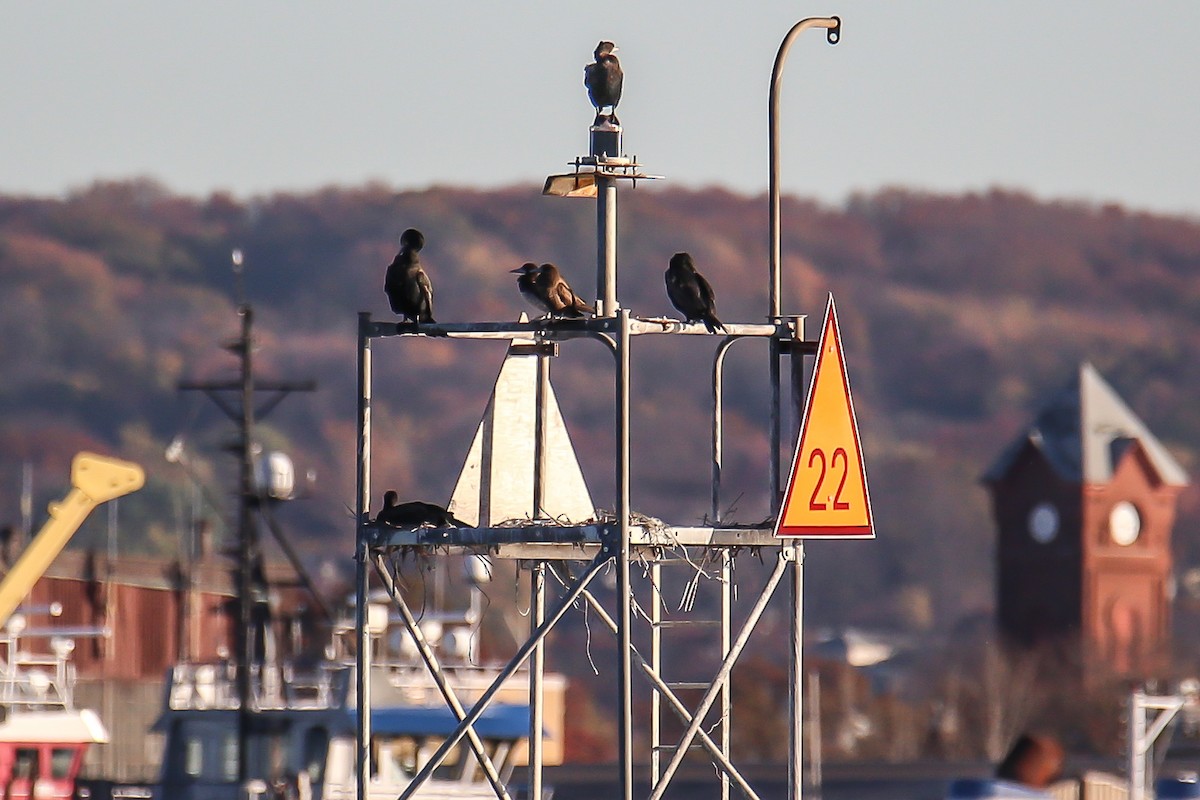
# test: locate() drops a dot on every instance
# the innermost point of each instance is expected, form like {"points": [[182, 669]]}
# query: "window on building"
{"points": [[62, 759], [26, 763]]}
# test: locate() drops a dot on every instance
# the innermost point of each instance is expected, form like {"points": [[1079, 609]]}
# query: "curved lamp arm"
{"points": [[833, 34]]}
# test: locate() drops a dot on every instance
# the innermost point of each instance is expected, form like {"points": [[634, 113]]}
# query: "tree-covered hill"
{"points": [[959, 315]]}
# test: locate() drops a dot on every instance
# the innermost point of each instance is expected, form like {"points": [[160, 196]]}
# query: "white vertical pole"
{"points": [[624, 586], [362, 635], [606, 253], [796, 677], [537, 602]]}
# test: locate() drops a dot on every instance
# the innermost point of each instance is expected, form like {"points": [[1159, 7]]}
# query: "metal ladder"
{"points": [[678, 591]]}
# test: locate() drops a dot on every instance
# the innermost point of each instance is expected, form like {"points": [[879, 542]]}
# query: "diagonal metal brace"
{"points": [[676, 704], [521, 656], [731, 658], [439, 678]]}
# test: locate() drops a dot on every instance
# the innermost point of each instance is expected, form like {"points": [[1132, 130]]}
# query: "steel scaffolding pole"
{"points": [[656, 732], [537, 616], [606, 244], [362, 504], [796, 676], [624, 587], [726, 646]]}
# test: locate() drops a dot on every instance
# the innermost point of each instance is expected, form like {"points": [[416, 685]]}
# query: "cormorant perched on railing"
{"points": [[603, 80], [407, 286], [546, 290], [691, 294], [414, 514]]}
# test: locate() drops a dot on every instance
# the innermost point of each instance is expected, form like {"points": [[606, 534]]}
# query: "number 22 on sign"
{"points": [[826, 493]]}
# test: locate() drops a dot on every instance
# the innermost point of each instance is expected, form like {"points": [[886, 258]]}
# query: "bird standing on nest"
{"points": [[546, 290], [406, 285], [690, 293], [604, 79]]}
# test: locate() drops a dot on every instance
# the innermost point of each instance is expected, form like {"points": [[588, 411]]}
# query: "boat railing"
{"points": [[213, 685], [415, 684], [36, 681]]}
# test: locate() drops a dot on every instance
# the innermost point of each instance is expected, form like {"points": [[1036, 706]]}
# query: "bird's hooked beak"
{"points": [[524, 269]]}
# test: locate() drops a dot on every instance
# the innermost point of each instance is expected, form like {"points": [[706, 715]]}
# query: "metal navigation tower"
{"points": [[688, 713]]}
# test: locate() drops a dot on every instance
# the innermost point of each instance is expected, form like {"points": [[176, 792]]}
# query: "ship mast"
{"points": [[250, 607]]}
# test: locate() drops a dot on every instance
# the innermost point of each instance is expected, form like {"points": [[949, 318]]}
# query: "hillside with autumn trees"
{"points": [[959, 315]]}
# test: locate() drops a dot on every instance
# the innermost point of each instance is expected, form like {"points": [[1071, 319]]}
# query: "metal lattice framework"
{"points": [[572, 556]]}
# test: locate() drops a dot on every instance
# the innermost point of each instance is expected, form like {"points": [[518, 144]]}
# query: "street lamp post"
{"points": [[833, 33]]}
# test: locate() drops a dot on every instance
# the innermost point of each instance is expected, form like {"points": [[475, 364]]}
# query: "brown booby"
{"points": [[546, 290]]}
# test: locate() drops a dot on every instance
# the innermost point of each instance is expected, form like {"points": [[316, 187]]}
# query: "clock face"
{"points": [[1124, 523], [1043, 523]]}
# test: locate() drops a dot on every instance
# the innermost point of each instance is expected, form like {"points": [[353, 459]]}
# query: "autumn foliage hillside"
{"points": [[959, 315]]}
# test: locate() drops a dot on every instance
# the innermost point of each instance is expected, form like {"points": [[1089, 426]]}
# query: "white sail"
{"points": [[497, 480]]}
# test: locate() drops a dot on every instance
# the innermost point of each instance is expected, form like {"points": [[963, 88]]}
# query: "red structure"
{"points": [[1084, 502], [154, 613]]}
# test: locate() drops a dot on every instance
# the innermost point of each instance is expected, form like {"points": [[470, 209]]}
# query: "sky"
{"points": [[1066, 99]]}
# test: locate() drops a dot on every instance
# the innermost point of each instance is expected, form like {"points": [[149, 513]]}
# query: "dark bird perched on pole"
{"points": [[414, 514], [603, 80], [690, 293], [546, 290], [407, 286], [526, 284]]}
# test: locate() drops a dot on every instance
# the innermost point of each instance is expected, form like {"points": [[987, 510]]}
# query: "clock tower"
{"points": [[1084, 502]]}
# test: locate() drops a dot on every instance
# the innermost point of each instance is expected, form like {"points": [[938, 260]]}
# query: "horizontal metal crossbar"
{"points": [[688, 684], [671, 748], [564, 541], [566, 328]]}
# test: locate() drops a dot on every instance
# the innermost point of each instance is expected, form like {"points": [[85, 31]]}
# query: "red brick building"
{"points": [[1084, 502], [155, 613], [145, 614]]}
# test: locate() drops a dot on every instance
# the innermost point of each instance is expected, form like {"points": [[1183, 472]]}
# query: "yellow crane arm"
{"points": [[94, 480]]}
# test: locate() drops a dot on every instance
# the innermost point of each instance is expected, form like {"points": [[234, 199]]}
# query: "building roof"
{"points": [[54, 726], [1083, 431]]}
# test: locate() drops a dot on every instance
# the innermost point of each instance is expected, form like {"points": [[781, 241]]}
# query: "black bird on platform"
{"points": [[407, 286], [546, 290], [691, 294], [603, 80], [527, 285], [414, 514]]}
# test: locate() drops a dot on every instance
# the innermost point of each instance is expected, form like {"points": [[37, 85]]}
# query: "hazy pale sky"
{"points": [[1075, 99]]}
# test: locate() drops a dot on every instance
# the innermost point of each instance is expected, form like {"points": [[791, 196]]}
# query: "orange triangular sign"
{"points": [[827, 492]]}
